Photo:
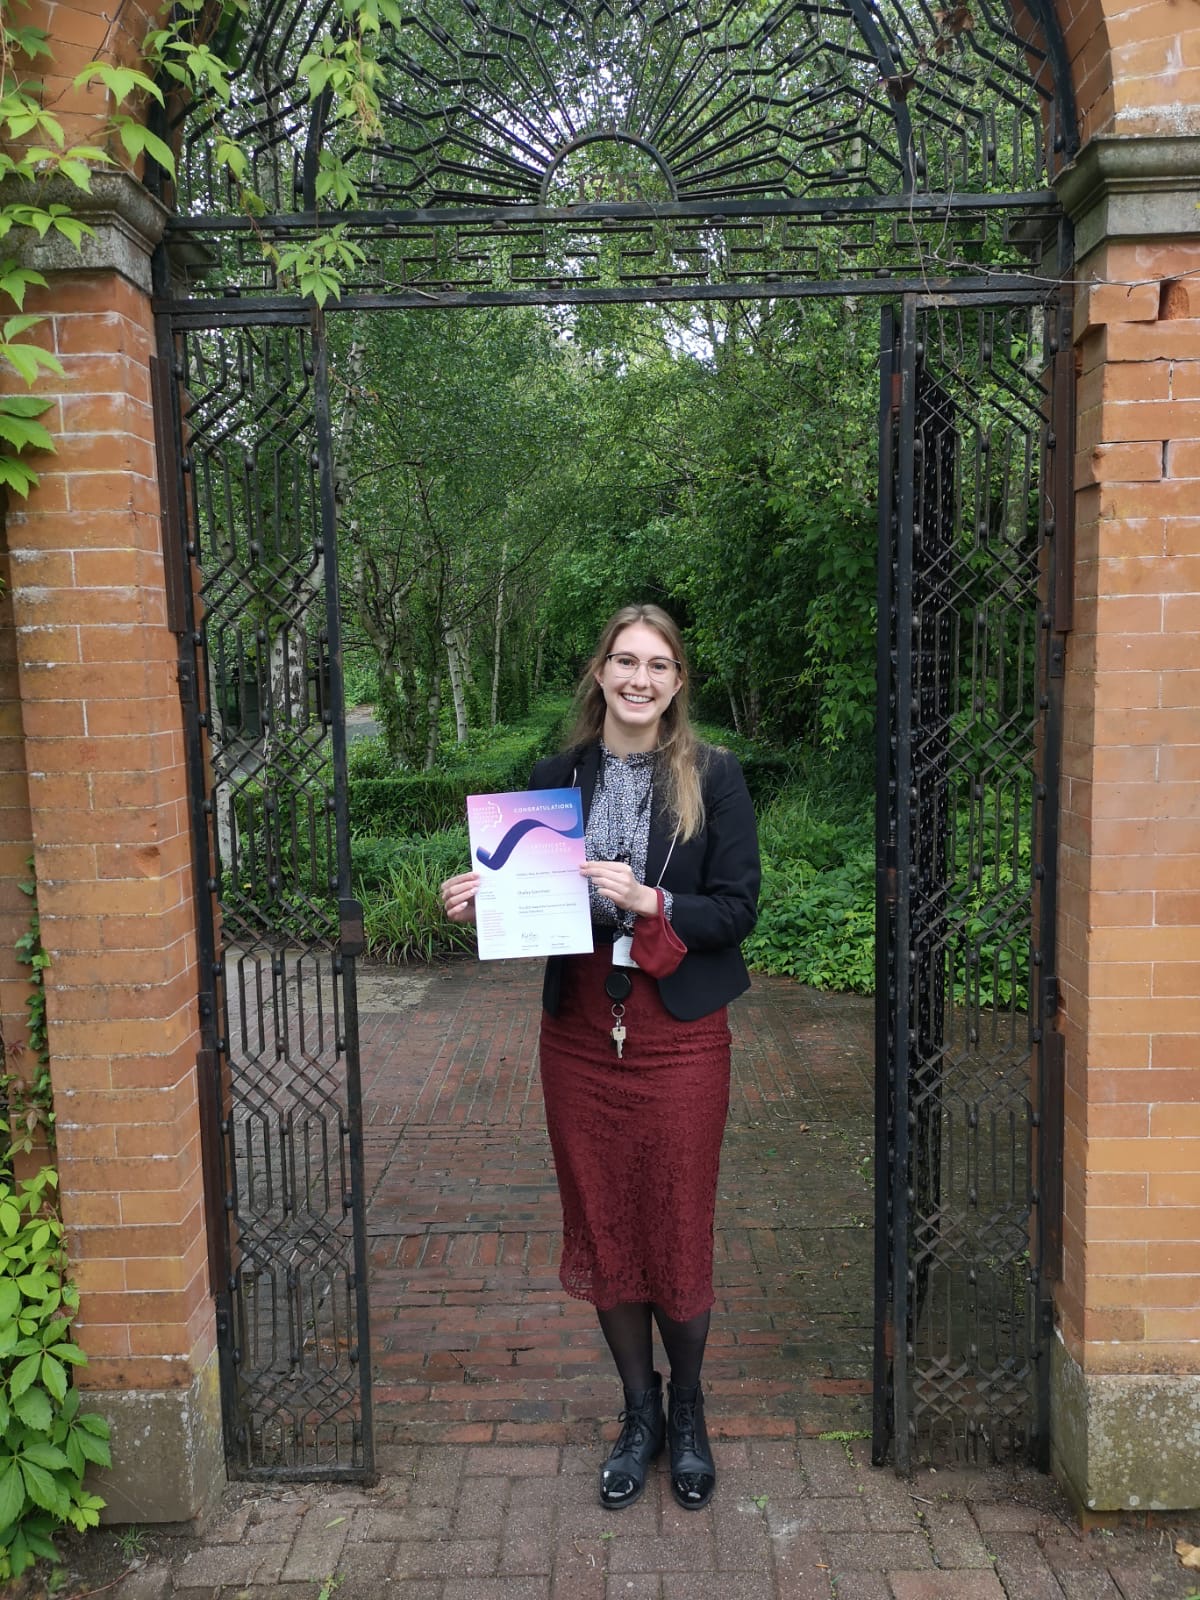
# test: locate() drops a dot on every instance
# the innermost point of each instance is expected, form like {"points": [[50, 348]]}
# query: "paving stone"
{"points": [[225, 1564], [827, 1466], [446, 1558], [572, 1581], [1022, 1568], [640, 1586], [946, 1586], [410, 1522], [954, 1537], [661, 1555], [514, 1461], [1003, 1517], [1091, 1583], [803, 1568], [317, 1547], [481, 1507], [725, 1586], [881, 1552], [151, 1582], [1147, 1579], [861, 1585], [817, 1516], [742, 1537], [526, 1588]]}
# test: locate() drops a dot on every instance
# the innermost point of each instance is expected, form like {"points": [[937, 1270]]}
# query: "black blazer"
{"points": [[713, 879]]}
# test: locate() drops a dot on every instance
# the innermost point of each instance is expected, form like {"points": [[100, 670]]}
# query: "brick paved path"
{"points": [[474, 1339], [494, 1394]]}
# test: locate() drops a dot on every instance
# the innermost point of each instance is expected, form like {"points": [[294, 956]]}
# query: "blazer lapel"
{"points": [[659, 844], [586, 769]]}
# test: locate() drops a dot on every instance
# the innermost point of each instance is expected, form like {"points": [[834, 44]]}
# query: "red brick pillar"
{"points": [[1127, 1360], [107, 792]]}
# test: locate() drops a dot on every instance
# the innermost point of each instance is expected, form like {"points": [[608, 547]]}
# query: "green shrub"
{"points": [[46, 1442], [397, 882], [383, 802]]}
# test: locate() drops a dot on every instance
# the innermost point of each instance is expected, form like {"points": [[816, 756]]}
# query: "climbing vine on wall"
{"points": [[179, 59]]}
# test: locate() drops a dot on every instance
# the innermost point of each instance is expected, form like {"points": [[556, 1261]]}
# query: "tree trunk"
{"points": [[455, 661], [435, 711], [496, 637]]}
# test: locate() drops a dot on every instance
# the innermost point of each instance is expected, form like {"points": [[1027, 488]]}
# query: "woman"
{"points": [[635, 1058]]}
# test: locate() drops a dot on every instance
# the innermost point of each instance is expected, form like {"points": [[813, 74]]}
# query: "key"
{"points": [[618, 1033]]}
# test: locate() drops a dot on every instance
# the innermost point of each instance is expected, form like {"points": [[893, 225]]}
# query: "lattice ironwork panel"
{"points": [[502, 112], [672, 257], [272, 835], [965, 583]]}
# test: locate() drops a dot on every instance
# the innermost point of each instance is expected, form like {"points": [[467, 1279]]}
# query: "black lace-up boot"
{"points": [[623, 1476], [693, 1471]]}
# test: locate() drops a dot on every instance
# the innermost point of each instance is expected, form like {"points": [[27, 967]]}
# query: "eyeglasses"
{"points": [[658, 667]]}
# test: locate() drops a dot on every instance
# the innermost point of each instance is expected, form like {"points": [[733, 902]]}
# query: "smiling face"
{"points": [[636, 698]]}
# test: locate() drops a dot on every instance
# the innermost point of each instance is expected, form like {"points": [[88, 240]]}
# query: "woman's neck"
{"points": [[622, 742]]}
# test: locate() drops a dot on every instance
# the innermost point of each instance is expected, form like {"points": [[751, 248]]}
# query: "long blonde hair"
{"points": [[677, 782]]}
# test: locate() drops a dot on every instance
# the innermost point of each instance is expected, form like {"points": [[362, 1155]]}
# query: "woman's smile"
{"points": [[637, 690]]}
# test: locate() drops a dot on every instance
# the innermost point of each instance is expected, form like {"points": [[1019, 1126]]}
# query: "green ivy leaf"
{"points": [[45, 1490], [119, 81], [24, 435], [30, 360], [10, 1219], [45, 1455], [12, 1494], [94, 1448], [35, 1411], [54, 1376]]}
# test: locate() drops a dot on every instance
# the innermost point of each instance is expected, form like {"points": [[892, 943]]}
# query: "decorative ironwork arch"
{"points": [[889, 136]]}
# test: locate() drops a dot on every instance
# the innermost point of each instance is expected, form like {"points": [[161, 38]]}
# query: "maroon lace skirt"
{"points": [[636, 1142]]}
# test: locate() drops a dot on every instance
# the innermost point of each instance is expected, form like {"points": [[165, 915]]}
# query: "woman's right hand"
{"points": [[458, 896]]}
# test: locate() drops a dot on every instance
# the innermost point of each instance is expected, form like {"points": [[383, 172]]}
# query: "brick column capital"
{"points": [[127, 222], [1123, 188]]}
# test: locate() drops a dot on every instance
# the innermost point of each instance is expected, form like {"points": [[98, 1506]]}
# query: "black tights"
{"points": [[627, 1330]]}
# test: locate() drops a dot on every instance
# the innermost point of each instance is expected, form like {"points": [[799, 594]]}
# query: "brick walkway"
{"points": [[494, 1394]]}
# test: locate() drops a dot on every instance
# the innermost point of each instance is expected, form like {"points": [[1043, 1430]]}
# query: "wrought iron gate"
{"points": [[256, 602], [971, 616], [562, 154]]}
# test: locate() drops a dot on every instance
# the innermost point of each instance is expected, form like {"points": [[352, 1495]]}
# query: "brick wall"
{"points": [[1130, 896], [1136, 65], [107, 797]]}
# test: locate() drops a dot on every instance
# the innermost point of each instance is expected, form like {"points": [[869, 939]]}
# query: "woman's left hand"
{"points": [[616, 882]]}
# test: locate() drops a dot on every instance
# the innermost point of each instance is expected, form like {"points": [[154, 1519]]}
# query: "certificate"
{"points": [[527, 848]]}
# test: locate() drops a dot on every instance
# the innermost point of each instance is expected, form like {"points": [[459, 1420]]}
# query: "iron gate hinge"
{"points": [[1050, 998], [351, 936], [187, 682]]}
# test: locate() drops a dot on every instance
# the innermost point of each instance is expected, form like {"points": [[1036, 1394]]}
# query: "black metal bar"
{"points": [[1050, 1043], [168, 394], [715, 209], [902, 1024], [1062, 426], [1015, 288], [350, 942], [167, 454], [882, 1412]]}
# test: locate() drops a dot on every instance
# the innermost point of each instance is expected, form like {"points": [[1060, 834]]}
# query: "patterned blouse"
{"points": [[618, 827]]}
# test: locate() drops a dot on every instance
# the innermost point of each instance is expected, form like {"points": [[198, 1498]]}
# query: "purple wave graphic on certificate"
{"points": [[533, 900]]}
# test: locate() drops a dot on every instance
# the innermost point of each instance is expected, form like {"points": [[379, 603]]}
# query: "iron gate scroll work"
{"points": [[557, 153], [261, 669], [969, 688]]}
